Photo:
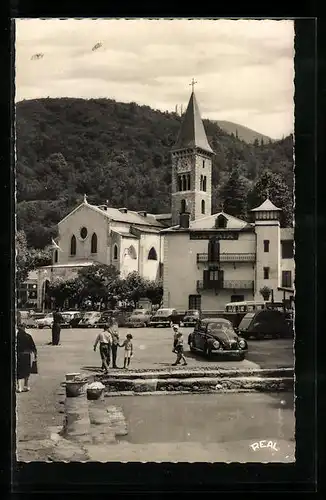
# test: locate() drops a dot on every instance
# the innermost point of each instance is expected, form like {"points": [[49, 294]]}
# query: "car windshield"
{"points": [[220, 326], [163, 312], [192, 312], [138, 313], [245, 322]]}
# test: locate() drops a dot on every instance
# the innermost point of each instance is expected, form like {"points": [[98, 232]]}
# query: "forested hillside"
{"points": [[120, 152]]}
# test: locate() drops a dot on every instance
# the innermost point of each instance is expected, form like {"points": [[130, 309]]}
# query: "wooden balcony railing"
{"points": [[228, 257]]}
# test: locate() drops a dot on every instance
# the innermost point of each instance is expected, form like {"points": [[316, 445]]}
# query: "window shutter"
{"points": [[220, 278], [214, 250], [206, 276]]}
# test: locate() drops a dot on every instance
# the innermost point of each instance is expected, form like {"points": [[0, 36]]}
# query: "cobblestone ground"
{"points": [[38, 411]]}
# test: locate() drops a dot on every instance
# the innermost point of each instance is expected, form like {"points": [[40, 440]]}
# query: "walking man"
{"points": [[105, 340], [56, 327], [114, 330]]}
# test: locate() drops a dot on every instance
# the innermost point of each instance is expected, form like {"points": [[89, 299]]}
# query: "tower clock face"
{"points": [[184, 164]]}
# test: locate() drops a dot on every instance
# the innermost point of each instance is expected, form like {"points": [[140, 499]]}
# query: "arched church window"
{"points": [[201, 183], [188, 182], [152, 255], [183, 206], [184, 183], [179, 183], [132, 252], [115, 252], [55, 256], [221, 221], [73, 245], [204, 183], [94, 243], [203, 206]]}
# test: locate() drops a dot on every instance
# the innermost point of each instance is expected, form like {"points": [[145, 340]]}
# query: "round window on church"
{"points": [[83, 232]]}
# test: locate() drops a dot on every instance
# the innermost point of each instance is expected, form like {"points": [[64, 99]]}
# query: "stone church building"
{"points": [[205, 260]]}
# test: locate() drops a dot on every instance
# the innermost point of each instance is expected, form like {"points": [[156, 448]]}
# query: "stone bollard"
{"points": [[77, 423]]}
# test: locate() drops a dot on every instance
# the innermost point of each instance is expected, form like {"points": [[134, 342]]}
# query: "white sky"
{"points": [[244, 68]]}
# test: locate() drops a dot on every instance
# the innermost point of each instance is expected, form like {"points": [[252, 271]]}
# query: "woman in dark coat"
{"points": [[26, 354]]}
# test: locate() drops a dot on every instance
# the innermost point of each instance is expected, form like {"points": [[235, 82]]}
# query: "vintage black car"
{"points": [[139, 318], [217, 336], [191, 317], [166, 316], [266, 323]]}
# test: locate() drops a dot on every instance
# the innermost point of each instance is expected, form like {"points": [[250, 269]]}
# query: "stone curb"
{"points": [[200, 385], [200, 373]]}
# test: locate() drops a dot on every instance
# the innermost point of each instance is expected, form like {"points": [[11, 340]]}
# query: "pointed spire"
{"points": [[85, 198], [192, 133]]}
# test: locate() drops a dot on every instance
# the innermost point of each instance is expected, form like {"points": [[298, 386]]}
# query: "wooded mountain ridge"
{"points": [[119, 152]]}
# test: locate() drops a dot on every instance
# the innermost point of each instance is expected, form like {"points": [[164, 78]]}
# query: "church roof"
{"points": [[116, 215], [192, 133], [266, 206]]}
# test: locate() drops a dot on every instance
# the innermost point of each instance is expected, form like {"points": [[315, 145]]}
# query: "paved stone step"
{"points": [[202, 384], [198, 373]]}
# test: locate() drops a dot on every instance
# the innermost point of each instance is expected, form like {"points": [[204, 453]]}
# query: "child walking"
{"points": [[127, 344], [178, 349]]}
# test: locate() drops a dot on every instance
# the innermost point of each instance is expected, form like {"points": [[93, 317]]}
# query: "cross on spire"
{"points": [[193, 83]]}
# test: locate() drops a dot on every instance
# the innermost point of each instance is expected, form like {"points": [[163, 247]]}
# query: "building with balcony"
{"points": [[210, 260]]}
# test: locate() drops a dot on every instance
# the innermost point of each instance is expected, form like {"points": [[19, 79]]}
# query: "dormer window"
{"points": [[221, 222]]}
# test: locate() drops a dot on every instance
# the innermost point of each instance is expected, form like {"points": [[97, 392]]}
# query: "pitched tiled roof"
{"points": [[116, 215], [192, 133]]}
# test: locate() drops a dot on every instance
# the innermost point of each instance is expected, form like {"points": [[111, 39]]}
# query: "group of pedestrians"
{"points": [[109, 342]]}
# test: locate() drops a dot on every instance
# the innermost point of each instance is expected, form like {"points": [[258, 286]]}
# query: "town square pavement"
{"points": [[40, 411]]}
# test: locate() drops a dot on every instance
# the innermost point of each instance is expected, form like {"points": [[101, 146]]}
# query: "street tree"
{"points": [[99, 282], [154, 291], [28, 259]]}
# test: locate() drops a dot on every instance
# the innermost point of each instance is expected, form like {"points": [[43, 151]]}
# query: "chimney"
{"points": [[184, 220], [123, 210], [142, 213]]}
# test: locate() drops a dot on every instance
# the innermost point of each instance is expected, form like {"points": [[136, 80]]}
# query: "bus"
{"points": [[252, 306]]}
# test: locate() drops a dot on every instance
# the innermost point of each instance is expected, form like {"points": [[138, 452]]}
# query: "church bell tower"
{"points": [[191, 167]]}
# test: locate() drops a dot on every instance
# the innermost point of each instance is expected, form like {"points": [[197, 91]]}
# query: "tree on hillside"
{"points": [[22, 261], [272, 186], [234, 194], [117, 151]]}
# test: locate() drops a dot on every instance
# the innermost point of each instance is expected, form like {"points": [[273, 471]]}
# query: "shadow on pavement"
{"points": [[201, 357]]}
